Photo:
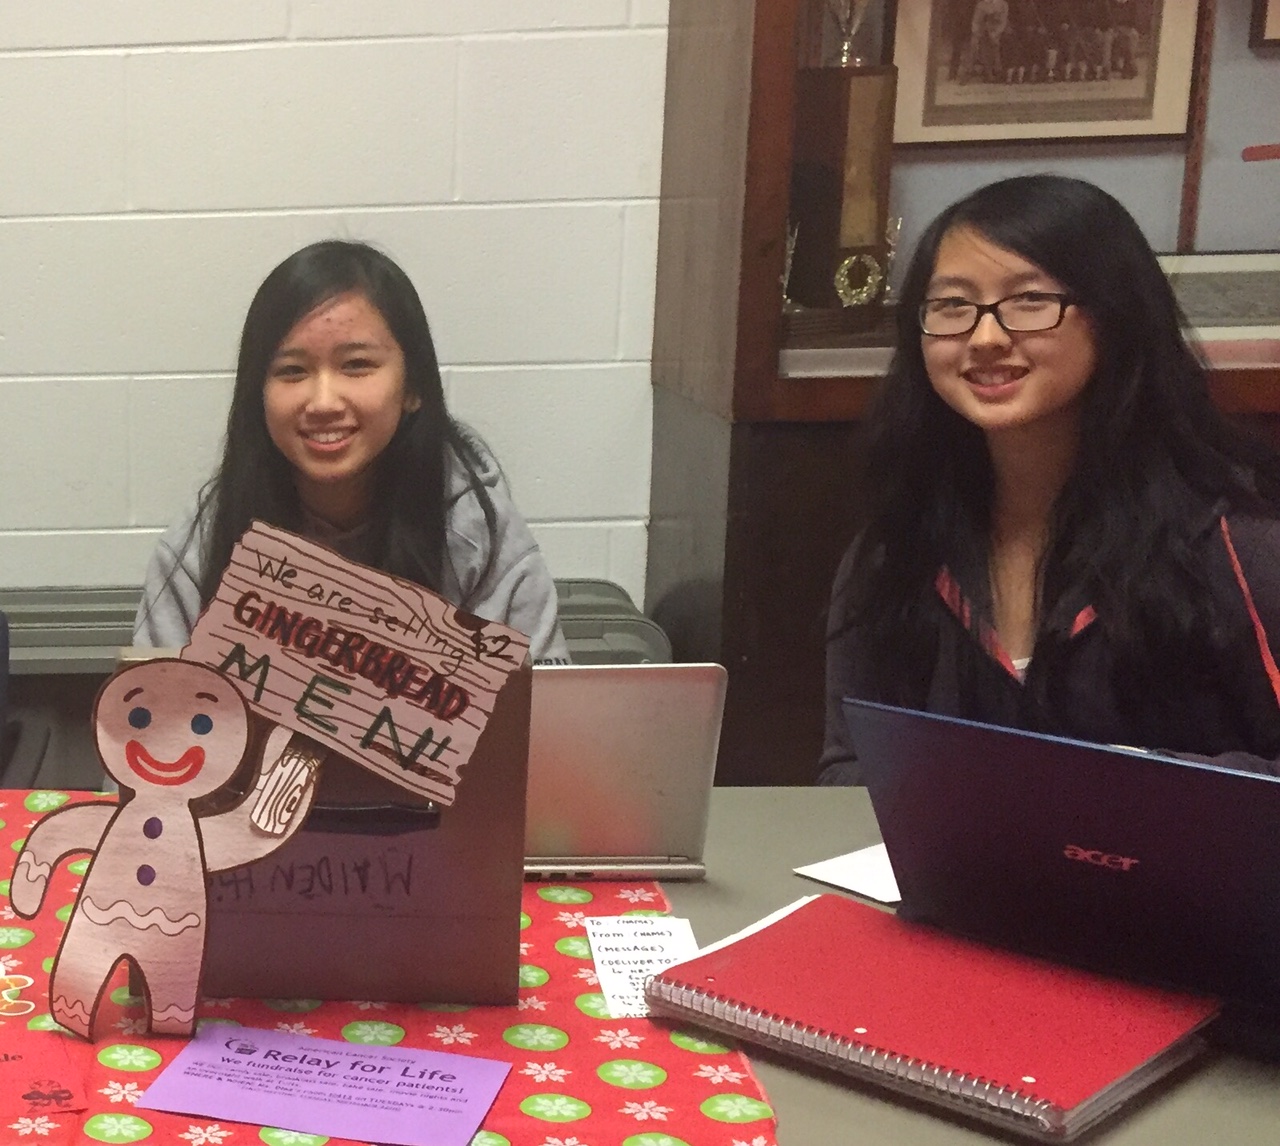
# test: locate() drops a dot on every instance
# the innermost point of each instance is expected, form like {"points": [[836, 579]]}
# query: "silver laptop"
{"points": [[621, 764]]}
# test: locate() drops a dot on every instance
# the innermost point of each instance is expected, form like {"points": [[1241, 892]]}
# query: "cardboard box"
{"points": [[383, 896]]}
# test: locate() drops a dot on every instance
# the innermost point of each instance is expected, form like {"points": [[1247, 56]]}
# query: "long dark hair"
{"points": [[1156, 461], [255, 480]]}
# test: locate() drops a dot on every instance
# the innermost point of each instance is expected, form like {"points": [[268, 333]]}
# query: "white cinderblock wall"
{"points": [[158, 157]]}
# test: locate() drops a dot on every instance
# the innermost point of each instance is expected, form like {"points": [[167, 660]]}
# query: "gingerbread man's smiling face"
{"points": [[171, 724]]}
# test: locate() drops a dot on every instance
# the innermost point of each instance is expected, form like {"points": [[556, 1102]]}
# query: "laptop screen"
{"points": [[621, 765]]}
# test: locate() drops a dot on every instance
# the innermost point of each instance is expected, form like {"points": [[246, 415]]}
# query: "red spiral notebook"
{"points": [[1028, 1045]]}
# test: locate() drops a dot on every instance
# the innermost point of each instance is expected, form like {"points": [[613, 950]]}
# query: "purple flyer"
{"points": [[397, 1095]]}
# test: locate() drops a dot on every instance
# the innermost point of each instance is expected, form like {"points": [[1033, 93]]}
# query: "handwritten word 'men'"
{"points": [[392, 672], [310, 705]]}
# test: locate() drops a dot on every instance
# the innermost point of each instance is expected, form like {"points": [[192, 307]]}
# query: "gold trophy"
{"points": [[848, 16], [840, 182]]}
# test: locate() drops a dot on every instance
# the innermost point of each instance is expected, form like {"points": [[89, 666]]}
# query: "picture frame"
{"points": [[1264, 29], [969, 72]]}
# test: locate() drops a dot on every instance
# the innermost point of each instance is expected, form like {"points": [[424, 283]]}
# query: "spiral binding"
{"points": [[861, 1060]]}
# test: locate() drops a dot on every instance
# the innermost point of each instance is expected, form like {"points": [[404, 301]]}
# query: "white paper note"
{"points": [[628, 949], [865, 872]]}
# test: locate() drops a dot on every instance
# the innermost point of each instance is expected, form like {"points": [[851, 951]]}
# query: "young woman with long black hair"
{"points": [[1062, 534], [338, 431]]}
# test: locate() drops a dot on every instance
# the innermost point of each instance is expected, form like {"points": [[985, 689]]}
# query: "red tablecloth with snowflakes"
{"points": [[578, 1077]]}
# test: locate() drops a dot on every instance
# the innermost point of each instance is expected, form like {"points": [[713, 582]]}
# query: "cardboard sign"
{"points": [[382, 670], [433, 900]]}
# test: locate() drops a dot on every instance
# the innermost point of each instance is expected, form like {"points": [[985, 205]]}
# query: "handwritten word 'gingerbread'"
{"points": [[382, 670]]}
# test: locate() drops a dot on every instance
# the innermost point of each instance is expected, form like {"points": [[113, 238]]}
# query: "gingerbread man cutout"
{"points": [[172, 732]]}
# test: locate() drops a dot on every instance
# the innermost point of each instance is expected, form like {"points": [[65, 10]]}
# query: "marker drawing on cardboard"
{"points": [[379, 669], [335, 655], [171, 732]]}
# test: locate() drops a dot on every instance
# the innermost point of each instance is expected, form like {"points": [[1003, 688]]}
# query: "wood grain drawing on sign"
{"points": [[379, 669]]}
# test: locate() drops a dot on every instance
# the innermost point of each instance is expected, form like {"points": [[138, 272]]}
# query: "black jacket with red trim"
{"points": [[1228, 710]]}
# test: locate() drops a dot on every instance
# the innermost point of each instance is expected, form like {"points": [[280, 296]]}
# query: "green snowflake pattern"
{"points": [[45, 1023], [126, 998], [292, 1006], [653, 1138], [273, 1136], [696, 1045], [11, 937], [735, 1108], [593, 1004], [531, 976], [373, 1033], [574, 946], [632, 1074], [44, 801], [124, 1056], [489, 1138], [526, 920], [117, 1128], [535, 1036], [555, 1107], [564, 895], [78, 867]]}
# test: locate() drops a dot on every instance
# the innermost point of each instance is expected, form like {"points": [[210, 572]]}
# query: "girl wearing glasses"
{"points": [[1062, 533]]}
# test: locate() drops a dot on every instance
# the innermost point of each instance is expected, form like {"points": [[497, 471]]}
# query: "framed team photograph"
{"points": [[1265, 29], [1037, 70]]}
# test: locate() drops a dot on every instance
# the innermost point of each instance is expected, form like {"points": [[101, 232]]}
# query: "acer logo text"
{"points": [[1101, 859]]}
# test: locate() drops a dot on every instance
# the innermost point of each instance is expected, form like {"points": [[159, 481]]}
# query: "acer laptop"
{"points": [[1111, 858], [621, 764]]}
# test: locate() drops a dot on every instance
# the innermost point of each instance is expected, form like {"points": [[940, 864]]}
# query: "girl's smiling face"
{"points": [[333, 398], [997, 380]]}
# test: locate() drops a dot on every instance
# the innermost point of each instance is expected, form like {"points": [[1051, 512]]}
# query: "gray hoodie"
{"points": [[517, 591]]}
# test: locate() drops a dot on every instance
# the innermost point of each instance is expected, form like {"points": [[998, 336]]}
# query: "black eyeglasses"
{"points": [[1017, 314]]}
